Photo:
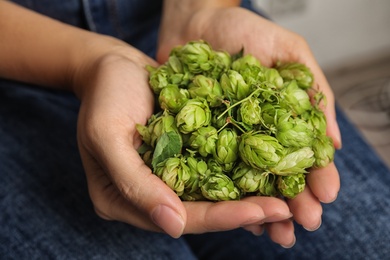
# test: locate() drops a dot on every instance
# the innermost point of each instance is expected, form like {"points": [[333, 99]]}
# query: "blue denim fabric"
{"points": [[45, 210]]}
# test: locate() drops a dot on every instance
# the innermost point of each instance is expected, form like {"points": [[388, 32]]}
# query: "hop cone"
{"points": [[268, 186], [290, 186], [157, 125], [294, 132], [226, 148], [243, 62], [194, 114], [250, 111], [172, 98], [295, 161], [295, 98], [298, 72], [178, 73], [198, 170], [247, 178], [198, 56], [316, 118], [175, 173], [207, 88], [214, 166], [272, 77], [158, 78], [222, 63], [260, 151], [323, 151], [219, 187], [204, 140], [234, 85]]}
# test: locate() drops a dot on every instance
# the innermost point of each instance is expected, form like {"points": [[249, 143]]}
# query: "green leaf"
{"points": [[168, 145]]}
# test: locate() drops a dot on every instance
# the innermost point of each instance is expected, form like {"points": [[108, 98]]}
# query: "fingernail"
{"points": [[168, 220], [276, 218], [289, 245], [314, 228]]}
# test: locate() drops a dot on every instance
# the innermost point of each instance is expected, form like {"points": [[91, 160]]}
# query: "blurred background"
{"points": [[351, 41]]}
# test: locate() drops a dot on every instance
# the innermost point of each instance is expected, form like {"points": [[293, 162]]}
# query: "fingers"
{"points": [[324, 183], [249, 213], [306, 209]]}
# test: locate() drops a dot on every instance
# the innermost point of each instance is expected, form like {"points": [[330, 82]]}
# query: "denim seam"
{"points": [[88, 15]]}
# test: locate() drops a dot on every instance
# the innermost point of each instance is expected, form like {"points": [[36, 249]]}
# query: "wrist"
{"points": [[97, 52]]}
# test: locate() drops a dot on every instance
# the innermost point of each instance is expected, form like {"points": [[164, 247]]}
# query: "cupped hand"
{"points": [[115, 96], [234, 28]]}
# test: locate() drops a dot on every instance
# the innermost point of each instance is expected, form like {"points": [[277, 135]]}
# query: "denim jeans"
{"points": [[45, 210]]}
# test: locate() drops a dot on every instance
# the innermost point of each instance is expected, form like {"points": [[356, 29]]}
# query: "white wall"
{"points": [[336, 30]]}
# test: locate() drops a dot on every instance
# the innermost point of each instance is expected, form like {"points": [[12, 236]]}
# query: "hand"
{"points": [[234, 28], [114, 97], [110, 79]]}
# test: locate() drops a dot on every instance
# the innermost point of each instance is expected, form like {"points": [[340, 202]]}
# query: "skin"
{"points": [[105, 73]]}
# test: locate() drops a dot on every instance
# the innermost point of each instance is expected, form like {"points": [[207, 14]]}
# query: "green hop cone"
{"points": [[271, 114], [295, 161], [290, 186], [294, 132], [157, 125], [173, 98], [246, 178], [298, 72], [316, 118], [207, 88], [323, 151], [198, 170], [175, 173], [245, 61], [271, 77], [204, 140], [219, 187], [234, 86], [226, 148], [216, 120], [268, 186], [222, 63], [251, 74], [158, 78], [193, 115], [250, 111], [260, 151], [178, 73], [214, 166], [198, 56], [295, 98]]}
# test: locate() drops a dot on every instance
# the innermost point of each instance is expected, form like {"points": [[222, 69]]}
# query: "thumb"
{"points": [[131, 193]]}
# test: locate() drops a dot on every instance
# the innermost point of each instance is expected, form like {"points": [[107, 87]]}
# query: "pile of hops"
{"points": [[228, 127]]}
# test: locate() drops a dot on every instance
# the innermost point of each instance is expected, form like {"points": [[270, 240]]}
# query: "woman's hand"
{"points": [[234, 28], [115, 96]]}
